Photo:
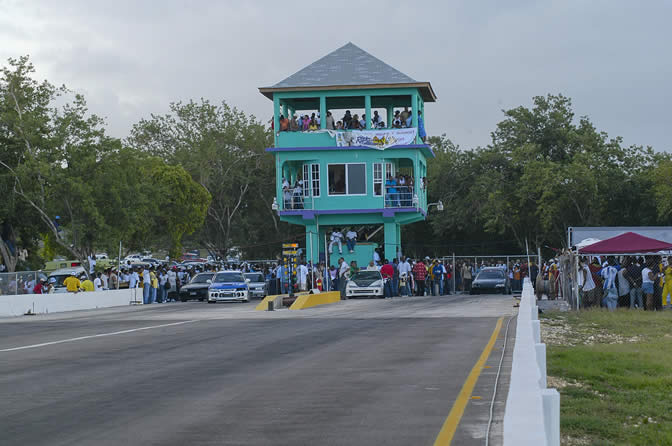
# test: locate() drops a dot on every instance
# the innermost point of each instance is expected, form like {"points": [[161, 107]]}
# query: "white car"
{"points": [[366, 283], [60, 275], [257, 284]]}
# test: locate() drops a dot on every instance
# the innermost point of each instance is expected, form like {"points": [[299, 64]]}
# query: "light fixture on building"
{"points": [[416, 200], [274, 205]]}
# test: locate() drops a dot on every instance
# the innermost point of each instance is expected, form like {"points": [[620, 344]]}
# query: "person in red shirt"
{"points": [[419, 274], [39, 288], [387, 271]]}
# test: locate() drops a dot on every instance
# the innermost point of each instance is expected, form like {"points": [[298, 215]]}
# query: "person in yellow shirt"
{"points": [[667, 278], [72, 284], [155, 285], [87, 285]]}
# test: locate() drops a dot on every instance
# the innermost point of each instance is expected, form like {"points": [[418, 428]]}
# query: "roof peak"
{"points": [[347, 65]]}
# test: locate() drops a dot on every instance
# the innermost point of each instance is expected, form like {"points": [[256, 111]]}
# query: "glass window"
{"points": [[315, 179], [229, 277], [356, 175], [347, 179], [378, 179], [337, 179]]}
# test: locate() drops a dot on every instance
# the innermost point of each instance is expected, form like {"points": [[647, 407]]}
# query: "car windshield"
{"points": [[490, 275], [201, 278], [229, 277], [367, 275], [59, 279], [255, 277]]}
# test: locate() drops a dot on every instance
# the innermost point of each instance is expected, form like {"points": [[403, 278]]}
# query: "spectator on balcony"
{"points": [[375, 120], [354, 123], [330, 121], [362, 122], [313, 125], [391, 192], [293, 124], [404, 115], [339, 125], [300, 123], [298, 195], [284, 124], [380, 125], [396, 122], [409, 120], [306, 123], [421, 127], [347, 119], [351, 240]]}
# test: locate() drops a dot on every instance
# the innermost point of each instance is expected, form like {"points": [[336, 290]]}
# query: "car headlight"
{"points": [[499, 285], [351, 285], [377, 283]]}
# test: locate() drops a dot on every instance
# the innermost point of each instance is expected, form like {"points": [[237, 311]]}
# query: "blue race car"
{"points": [[228, 286]]}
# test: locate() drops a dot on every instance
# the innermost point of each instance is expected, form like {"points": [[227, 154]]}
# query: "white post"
{"points": [[119, 265], [454, 273], [551, 403]]}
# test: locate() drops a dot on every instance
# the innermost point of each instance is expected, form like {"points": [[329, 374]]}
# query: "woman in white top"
{"points": [[647, 283]]}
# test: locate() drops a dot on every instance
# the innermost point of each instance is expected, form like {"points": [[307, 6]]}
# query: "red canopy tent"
{"points": [[628, 243]]}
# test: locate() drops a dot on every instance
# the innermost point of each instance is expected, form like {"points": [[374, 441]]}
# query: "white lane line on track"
{"points": [[100, 335]]}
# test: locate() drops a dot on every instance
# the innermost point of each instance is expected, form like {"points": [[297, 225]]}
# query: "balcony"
{"points": [[374, 138]]}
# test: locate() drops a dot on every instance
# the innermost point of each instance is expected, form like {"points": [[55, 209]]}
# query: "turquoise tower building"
{"points": [[329, 178]]}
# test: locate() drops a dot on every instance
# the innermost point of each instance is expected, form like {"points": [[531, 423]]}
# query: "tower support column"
{"points": [[392, 239]]}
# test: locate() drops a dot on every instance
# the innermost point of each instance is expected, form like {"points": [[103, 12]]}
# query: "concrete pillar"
{"points": [[276, 118], [367, 107], [392, 240], [312, 244], [551, 402], [323, 112], [414, 117], [390, 116], [540, 350]]}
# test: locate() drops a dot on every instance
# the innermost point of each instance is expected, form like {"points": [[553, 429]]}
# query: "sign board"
{"points": [[290, 245], [289, 253]]}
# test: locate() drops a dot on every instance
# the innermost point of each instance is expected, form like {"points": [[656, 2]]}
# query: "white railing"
{"points": [[399, 196], [532, 415]]}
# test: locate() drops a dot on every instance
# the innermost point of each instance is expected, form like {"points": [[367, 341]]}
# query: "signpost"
{"points": [[290, 260]]}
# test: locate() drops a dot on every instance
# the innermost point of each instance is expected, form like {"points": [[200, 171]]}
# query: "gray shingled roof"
{"points": [[348, 65]]}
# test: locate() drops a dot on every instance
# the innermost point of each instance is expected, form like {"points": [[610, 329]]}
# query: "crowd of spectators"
{"points": [[349, 121]]}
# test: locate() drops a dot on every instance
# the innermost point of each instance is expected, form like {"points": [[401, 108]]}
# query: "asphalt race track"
{"points": [[365, 372]]}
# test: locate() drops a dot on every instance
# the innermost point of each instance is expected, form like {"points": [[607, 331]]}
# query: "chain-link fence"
{"points": [[464, 269], [20, 282]]}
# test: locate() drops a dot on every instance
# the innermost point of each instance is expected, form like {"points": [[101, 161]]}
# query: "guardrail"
{"points": [[532, 415], [15, 283]]}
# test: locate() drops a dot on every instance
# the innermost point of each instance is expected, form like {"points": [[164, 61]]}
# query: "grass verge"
{"points": [[614, 374]]}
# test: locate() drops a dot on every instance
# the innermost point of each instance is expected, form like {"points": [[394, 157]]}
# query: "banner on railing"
{"points": [[377, 139]]}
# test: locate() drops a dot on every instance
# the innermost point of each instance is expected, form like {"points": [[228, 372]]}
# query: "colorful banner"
{"points": [[377, 139]]}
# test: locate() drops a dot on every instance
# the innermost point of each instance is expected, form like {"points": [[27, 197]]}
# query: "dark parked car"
{"points": [[492, 280], [197, 288]]}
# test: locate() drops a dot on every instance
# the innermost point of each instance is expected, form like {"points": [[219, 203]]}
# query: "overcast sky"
{"points": [[132, 58]]}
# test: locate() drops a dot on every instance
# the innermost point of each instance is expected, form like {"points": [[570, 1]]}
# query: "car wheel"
{"points": [[211, 302], [201, 299], [182, 299]]}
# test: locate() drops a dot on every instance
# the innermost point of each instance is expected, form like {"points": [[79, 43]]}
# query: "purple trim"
{"points": [[387, 212], [303, 149]]}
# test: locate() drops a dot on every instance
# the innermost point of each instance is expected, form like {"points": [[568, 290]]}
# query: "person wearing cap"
{"points": [[40, 287], [72, 283], [87, 285]]}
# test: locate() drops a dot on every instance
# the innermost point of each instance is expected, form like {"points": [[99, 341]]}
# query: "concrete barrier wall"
{"points": [[17, 305], [532, 415]]}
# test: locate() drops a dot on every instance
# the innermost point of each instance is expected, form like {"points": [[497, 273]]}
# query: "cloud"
{"points": [[132, 59]]}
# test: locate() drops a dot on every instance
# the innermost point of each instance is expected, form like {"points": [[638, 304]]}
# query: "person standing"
{"points": [[105, 278], [72, 283], [633, 274], [667, 281], [87, 285], [146, 286], [343, 268], [395, 277], [98, 283], [420, 274], [586, 284], [387, 271], [303, 276], [404, 276], [154, 281], [466, 276], [648, 278]]}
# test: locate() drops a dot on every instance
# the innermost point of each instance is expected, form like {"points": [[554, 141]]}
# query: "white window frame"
{"points": [[389, 170], [378, 180], [346, 194], [306, 187], [315, 179]]}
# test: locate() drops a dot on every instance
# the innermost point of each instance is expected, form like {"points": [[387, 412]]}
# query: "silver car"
{"points": [[257, 285]]}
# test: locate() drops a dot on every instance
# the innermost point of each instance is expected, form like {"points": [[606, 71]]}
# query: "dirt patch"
{"points": [[558, 331]]}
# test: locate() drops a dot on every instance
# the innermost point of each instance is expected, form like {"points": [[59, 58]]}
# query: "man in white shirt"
{"points": [[586, 284], [351, 240], [133, 279], [106, 280], [609, 273], [404, 276], [97, 283], [92, 264], [376, 257], [336, 238], [303, 276], [343, 268], [647, 284]]}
